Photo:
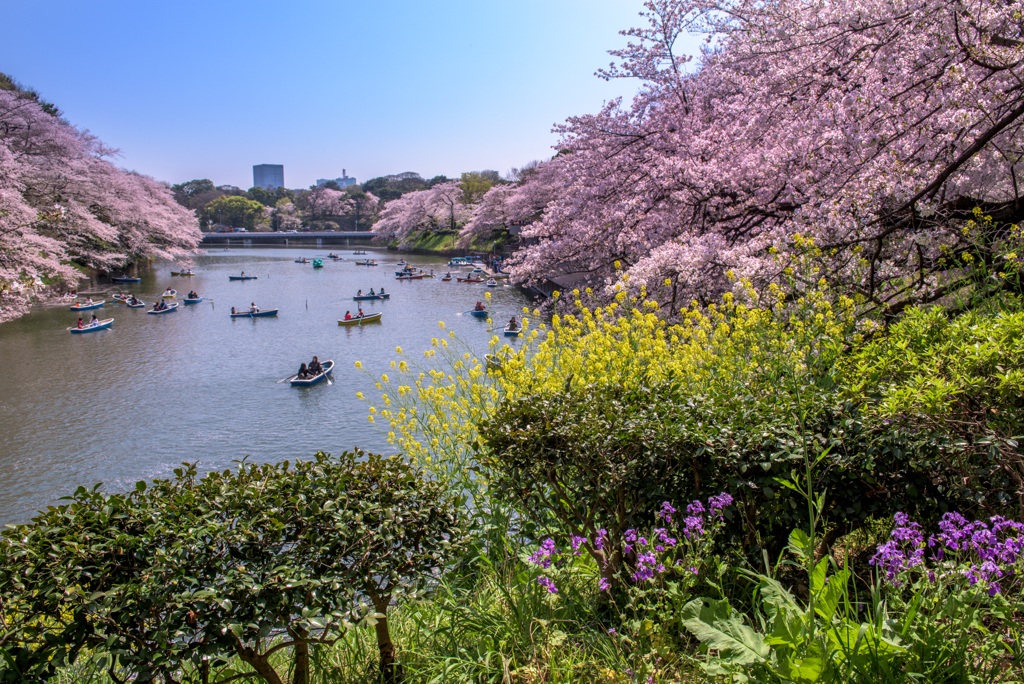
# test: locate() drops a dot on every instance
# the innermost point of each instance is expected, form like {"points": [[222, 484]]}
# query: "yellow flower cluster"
{"points": [[743, 345]]}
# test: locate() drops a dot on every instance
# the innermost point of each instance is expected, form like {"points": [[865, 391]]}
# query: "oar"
{"points": [[286, 379]]}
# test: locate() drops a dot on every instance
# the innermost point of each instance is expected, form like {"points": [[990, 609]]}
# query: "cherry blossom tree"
{"points": [[850, 140], [439, 207], [62, 202]]}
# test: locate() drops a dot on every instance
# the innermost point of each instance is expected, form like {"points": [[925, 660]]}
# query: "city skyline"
{"points": [[439, 90]]}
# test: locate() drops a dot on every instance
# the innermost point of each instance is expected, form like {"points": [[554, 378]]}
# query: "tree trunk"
{"points": [[261, 664], [390, 670], [301, 675]]}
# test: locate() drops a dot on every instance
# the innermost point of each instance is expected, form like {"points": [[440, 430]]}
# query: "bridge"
{"points": [[361, 237]]}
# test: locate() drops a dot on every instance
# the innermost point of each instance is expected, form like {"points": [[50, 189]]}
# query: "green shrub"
{"points": [[182, 575]]}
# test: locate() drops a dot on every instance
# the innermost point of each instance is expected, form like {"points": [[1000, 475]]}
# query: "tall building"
{"points": [[268, 176], [343, 182]]}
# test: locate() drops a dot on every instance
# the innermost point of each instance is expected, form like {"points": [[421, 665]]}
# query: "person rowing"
{"points": [[479, 306], [314, 367], [360, 315], [372, 294], [253, 309], [94, 321], [513, 324]]}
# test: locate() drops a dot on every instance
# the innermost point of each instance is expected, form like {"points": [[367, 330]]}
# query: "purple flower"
{"points": [[576, 542], [599, 540], [695, 508], [667, 511], [548, 584], [694, 526], [604, 584], [546, 554], [717, 503], [611, 631]]}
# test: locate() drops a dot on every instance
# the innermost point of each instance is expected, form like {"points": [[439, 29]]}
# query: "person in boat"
{"points": [[314, 367], [381, 293], [513, 324], [359, 294], [348, 316], [253, 308], [232, 310], [193, 294], [73, 293], [479, 306], [94, 321], [360, 315], [168, 291], [372, 293], [303, 372], [243, 273], [80, 326]]}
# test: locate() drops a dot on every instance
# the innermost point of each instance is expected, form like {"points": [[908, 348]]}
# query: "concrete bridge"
{"points": [[361, 238]]}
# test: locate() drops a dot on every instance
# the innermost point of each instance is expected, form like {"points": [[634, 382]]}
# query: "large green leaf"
{"points": [[716, 626]]}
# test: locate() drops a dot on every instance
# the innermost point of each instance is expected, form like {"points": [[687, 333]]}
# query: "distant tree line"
{"points": [[320, 207]]}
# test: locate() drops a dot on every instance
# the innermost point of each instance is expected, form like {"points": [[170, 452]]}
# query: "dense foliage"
{"points": [[186, 574]]}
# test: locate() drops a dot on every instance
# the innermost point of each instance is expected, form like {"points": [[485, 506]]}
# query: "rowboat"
{"points": [[364, 298], [241, 277], [119, 297], [256, 314], [139, 305], [303, 260], [318, 263], [332, 255], [359, 320], [512, 332], [126, 280], [170, 294], [457, 261], [194, 301], [470, 280], [401, 262], [446, 279], [477, 270], [492, 283], [296, 381], [383, 295], [102, 325], [479, 314], [410, 277], [85, 306], [365, 263], [357, 253], [492, 362], [169, 309], [182, 273]]}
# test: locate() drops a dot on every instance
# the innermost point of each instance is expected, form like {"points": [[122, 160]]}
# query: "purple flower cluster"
{"points": [[548, 584], [547, 554], [666, 512], [992, 548]]}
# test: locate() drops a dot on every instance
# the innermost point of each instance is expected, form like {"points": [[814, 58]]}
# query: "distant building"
{"points": [[268, 176], [343, 182]]}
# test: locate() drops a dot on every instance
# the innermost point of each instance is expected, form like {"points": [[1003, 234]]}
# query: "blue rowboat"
{"points": [[360, 320], [479, 314], [194, 301], [510, 332], [102, 325], [296, 381], [169, 309], [258, 314], [382, 295], [242, 277], [126, 280], [85, 307], [136, 306], [363, 298]]}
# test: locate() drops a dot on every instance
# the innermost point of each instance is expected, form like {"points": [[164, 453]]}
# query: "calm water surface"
{"points": [[133, 402]]}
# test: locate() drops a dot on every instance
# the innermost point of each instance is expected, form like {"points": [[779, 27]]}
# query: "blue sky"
{"points": [[207, 89]]}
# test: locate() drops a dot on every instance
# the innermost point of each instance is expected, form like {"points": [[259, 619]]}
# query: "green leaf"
{"points": [[716, 627], [800, 544]]}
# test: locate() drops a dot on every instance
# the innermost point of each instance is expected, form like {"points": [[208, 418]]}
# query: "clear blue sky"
{"points": [[193, 89]]}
